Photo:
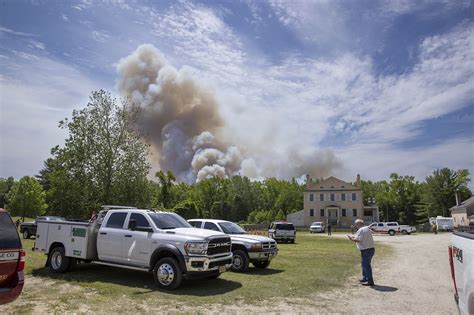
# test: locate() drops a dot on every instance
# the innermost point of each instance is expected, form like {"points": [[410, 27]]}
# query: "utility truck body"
{"points": [[159, 242]]}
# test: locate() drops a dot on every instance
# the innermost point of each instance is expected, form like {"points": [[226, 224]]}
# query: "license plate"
{"points": [[222, 269]]}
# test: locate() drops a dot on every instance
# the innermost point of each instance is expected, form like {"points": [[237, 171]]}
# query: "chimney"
{"points": [[358, 181], [308, 180], [458, 201]]}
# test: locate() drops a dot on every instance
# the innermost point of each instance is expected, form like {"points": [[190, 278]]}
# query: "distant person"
{"points": [[434, 228], [329, 229], [365, 243], [352, 228], [17, 223]]}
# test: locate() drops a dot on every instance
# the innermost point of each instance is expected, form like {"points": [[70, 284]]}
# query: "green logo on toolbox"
{"points": [[79, 232]]}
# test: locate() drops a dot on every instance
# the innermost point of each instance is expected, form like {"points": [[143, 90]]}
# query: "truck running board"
{"points": [[120, 266]]}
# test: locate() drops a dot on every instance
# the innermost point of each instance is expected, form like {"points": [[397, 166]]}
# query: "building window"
{"points": [[354, 197], [343, 212], [311, 197], [321, 197], [354, 212], [322, 212], [311, 212], [333, 197], [343, 197]]}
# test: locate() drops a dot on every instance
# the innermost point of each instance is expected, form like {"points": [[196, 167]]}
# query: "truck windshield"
{"points": [[231, 228], [166, 221]]}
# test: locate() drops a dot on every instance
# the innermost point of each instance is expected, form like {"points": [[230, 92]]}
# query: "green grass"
{"points": [[314, 263]]}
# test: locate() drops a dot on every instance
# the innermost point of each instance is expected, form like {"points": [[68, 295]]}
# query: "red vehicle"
{"points": [[12, 260]]}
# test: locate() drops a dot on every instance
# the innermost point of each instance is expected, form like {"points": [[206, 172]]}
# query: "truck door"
{"points": [[109, 240], [136, 245]]}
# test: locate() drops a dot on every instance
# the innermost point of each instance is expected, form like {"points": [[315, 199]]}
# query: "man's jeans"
{"points": [[366, 256]]}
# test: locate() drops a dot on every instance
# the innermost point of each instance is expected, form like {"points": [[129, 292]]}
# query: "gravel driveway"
{"points": [[416, 279]]}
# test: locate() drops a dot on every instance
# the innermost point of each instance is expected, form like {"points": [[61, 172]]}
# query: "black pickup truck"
{"points": [[29, 228]]}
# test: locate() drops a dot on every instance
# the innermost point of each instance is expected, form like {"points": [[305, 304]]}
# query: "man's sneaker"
{"points": [[363, 280]]}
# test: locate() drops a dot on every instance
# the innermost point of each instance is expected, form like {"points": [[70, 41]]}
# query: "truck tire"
{"points": [[167, 273], [391, 232], [26, 234], [58, 262], [240, 261], [261, 264], [404, 232]]}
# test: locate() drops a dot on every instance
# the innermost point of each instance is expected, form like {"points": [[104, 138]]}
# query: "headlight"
{"points": [[196, 248], [256, 247]]}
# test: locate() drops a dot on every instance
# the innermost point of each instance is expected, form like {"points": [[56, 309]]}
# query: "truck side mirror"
{"points": [[132, 225]]}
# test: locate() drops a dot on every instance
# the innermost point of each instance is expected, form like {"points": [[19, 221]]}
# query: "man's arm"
{"points": [[352, 238]]}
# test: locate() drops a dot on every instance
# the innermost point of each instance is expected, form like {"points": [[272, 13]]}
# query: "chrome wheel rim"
{"points": [[56, 260], [25, 234], [165, 274], [237, 262]]}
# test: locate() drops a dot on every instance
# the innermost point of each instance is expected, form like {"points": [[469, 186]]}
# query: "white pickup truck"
{"points": [[461, 259], [391, 228], [159, 242]]}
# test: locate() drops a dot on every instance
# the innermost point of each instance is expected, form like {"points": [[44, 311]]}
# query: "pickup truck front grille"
{"points": [[219, 245], [269, 245]]}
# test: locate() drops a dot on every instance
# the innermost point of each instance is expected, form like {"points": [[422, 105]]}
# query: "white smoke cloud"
{"points": [[182, 121]]}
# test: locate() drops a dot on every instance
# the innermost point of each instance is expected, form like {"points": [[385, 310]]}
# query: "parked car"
{"points": [[12, 260], [29, 228], [461, 260], [282, 231], [162, 243], [317, 227], [391, 228], [246, 248]]}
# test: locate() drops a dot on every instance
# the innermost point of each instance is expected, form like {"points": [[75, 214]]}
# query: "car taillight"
{"points": [[21, 263], [451, 264]]}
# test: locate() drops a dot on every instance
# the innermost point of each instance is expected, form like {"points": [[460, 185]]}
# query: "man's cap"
{"points": [[359, 221]]}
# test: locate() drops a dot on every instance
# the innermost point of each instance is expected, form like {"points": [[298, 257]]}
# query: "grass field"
{"points": [[314, 263]]}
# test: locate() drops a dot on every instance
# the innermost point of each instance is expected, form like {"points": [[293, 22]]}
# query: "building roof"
{"points": [[331, 183], [468, 203]]}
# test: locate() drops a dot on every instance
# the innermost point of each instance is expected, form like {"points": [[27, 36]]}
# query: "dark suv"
{"points": [[12, 260]]}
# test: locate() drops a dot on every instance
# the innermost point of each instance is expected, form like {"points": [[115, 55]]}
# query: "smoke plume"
{"points": [[181, 120]]}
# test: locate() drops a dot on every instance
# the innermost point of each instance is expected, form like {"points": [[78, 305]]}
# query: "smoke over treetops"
{"points": [[181, 120]]}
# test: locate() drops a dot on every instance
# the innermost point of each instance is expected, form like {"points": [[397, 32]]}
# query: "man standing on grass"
{"points": [[365, 243]]}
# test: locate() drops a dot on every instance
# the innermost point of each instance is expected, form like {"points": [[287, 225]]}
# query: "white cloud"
{"points": [[276, 109], [374, 161], [35, 93]]}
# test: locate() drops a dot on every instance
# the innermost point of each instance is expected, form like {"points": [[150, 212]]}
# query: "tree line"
{"points": [[103, 161]]}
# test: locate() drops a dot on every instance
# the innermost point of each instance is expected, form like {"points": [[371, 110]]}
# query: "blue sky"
{"points": [[378, 86]]}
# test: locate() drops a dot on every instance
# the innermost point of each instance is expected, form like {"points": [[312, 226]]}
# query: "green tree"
{"points": [[280, 216], [438, 192], [187, 209], [166, 182], [103, 161], [26, 198], [6, 185]]}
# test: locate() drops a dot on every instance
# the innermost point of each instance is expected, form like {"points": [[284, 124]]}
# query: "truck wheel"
{"points": [[167, 273], [391, 232], [404, 232], [26, 234], [261, 264], [58, 262], [240, 261], [292, 241]]}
